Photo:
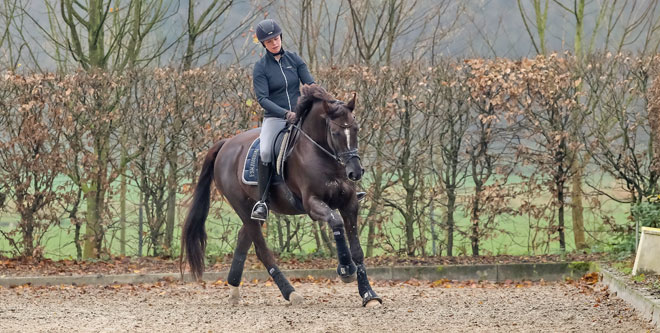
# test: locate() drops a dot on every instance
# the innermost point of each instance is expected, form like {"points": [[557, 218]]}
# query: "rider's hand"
{"points": [[291, 117]]}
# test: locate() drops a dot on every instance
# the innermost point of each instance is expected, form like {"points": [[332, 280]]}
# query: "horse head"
{"points": [[342, 136], [340, 130]]}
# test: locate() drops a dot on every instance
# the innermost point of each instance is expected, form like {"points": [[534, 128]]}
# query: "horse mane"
{"points": [[310, 94]]}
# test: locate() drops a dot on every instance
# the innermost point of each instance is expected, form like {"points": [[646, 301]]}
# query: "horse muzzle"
{"points": [[351, 161], [354, 169]]}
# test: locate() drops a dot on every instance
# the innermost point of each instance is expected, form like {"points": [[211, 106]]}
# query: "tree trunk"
{"points": [[451, 208], [434, 232], [122, 215], [141, 224], [76, 240], [317, 238], [376, 199], [560, 199], [410, 221], [122, 195], [95, 197], [27, 225], [577, 208], [474, 227], [93, 228], [280, 235], [95, 38], [155, 242], [172, 185], [287, 243], [371, 234], [326, 239]]}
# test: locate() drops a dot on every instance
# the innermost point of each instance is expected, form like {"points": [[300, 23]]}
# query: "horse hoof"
{"points": [[374, 303], [234, 295], [296, 299], [348, 279], [347, 273], [370, 298]]}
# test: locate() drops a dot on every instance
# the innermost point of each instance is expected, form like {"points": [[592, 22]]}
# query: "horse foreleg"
{"points": [[369, 297], [320, 211], [238, 262]]}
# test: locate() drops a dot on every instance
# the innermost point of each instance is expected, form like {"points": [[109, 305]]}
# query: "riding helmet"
{"points": [[267, 29]]}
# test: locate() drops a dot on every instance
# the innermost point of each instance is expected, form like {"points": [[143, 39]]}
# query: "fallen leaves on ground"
{"points": [[143, 265], [590, 278], [162, 287]]}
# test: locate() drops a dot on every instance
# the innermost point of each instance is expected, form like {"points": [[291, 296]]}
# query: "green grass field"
{"points": [[514, 236], [514, 239]]}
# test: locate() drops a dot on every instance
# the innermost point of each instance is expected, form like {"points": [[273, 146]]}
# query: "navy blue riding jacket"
{"points": [[277, 83]]}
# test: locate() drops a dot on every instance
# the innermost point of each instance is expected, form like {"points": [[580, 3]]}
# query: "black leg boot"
{"points": [[260, 210]]}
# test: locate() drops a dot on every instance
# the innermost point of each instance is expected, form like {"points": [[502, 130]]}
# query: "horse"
{"points": [[320, 174]]}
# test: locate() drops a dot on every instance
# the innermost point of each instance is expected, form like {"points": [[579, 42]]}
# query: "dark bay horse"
{"points": [[320, 172]]}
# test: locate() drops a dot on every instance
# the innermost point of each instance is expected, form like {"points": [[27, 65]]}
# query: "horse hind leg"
{"points": [[238, 262], [265, 255]]}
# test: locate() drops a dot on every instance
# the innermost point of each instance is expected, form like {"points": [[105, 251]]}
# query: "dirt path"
{"points": [[330, 307]]}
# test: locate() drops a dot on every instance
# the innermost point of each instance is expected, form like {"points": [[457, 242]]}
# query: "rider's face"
{"points": [[273, 45]]}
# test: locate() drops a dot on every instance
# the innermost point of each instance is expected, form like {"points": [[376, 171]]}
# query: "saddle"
{"points": [[282, 145]]}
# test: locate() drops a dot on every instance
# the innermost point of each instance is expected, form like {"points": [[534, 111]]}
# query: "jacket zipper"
{"points": [[286, 84]]}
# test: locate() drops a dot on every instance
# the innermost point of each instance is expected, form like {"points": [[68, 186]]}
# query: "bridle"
{"points": [[343, 157]]}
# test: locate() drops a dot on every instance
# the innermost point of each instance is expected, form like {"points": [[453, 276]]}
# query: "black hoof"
{"points": [[369, 296], [348, 279], [347, 272]]}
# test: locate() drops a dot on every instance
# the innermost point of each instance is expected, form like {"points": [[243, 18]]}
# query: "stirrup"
{"points": [[260, 216]]}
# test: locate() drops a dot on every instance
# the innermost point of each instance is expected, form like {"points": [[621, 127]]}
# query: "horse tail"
{"points": [[193, 235]]}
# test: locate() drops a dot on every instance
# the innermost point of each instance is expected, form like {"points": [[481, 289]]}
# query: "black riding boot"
{"points": [[260, 210]]}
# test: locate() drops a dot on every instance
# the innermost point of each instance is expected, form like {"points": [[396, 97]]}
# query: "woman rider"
{"points": [[276, 79]]}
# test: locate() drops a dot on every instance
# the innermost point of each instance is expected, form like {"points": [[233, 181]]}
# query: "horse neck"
{"points": [[315, 126]]}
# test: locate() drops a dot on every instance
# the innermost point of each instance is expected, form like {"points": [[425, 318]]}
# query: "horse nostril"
{"points": [[351, 175]]}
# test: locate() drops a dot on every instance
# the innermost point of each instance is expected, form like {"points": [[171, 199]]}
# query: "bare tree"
{"points": [[621, 140], [446, 105], [376, 26], [491, 137], [576, 10], [115, 40], [32, 154], [654, 120], [213, 14], [408, 146], [551, 110]]}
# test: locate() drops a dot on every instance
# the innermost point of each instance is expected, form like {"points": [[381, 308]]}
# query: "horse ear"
{"points": [[351, 104]]}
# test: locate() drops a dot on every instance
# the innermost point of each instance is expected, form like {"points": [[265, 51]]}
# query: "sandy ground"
{"points": [[329, 307]]}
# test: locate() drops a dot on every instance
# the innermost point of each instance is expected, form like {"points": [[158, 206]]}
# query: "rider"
{"points": [[276, 79]]}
